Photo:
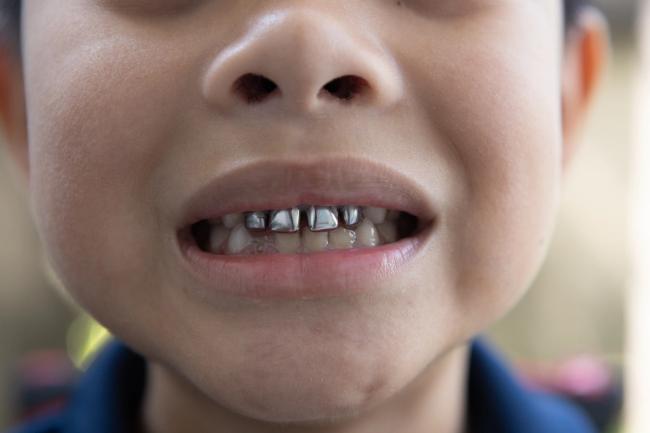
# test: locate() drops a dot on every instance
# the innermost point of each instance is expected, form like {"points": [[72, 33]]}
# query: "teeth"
{"points": [[273, 231], [342, 238], [263, 243], [287, 242], [367, 234], [256, 220], [287, 220], [351, 215], [321, 218], [239, 240], [218, 236], [314, 241], [375, 214], [231, 220], [388, 231]]}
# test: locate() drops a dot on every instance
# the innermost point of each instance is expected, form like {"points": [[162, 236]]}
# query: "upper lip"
{"points": [[282, 183]]}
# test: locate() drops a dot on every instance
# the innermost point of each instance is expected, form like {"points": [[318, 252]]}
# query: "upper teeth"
{"points": [[255, 220], [319, 218], [287, 220], [302, 229], [351, 215]]}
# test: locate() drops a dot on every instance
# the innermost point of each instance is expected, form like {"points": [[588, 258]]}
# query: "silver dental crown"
{"points": [[287, 220], [319, 218], [255, 220]]}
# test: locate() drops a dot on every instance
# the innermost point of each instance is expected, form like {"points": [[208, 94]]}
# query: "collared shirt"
{"points": [[107, 398]]}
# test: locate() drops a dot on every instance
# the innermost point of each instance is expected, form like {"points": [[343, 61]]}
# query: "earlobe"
{"points": [[585, 57], [12, 109]]}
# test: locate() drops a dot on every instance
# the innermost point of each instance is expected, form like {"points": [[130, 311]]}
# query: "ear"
{"points": [[12, 108], [585, 57]]}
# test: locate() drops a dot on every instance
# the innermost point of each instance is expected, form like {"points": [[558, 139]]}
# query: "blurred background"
{"points": [[567, 334]]}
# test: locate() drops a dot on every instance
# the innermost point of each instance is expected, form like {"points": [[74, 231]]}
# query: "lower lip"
{"points": [[301, 276]]}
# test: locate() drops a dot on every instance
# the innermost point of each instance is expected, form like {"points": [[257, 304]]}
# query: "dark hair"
{"points": [[10, 19]]}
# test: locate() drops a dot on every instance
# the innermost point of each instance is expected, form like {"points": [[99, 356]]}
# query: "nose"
{"points": [[303, 62]]}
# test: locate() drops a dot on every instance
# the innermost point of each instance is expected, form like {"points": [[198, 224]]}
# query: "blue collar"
{"points": [[109, 395], [500, 403]]}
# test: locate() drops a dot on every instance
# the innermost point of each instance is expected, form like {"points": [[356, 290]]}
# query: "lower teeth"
{"points": [[219, 239]]}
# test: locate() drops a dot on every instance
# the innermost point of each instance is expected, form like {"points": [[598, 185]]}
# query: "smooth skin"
{"points": [[116, 119]]}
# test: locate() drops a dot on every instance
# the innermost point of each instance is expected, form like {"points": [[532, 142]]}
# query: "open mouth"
{"points": [[302, 229]]}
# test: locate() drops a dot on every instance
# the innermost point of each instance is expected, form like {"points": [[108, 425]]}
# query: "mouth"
{"points": [[285, 229], [302, 229]]}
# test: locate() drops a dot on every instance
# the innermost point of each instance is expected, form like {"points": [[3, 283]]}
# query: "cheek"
{"points": [[94, 149], [499, 113], [509, 146]]}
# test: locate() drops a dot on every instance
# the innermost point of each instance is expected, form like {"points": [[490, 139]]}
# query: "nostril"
{"points": [[254, 88], [346, 87]]}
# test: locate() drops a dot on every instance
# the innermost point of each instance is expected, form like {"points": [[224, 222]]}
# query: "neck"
{"points": [[435, 401]]}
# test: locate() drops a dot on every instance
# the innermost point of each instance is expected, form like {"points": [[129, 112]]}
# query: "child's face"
{"points": [[129, 118]]}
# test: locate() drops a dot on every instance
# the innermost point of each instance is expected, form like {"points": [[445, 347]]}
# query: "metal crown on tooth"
{"points": [[351, 215], [286, 220], [320, 218], [255, 220]]}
